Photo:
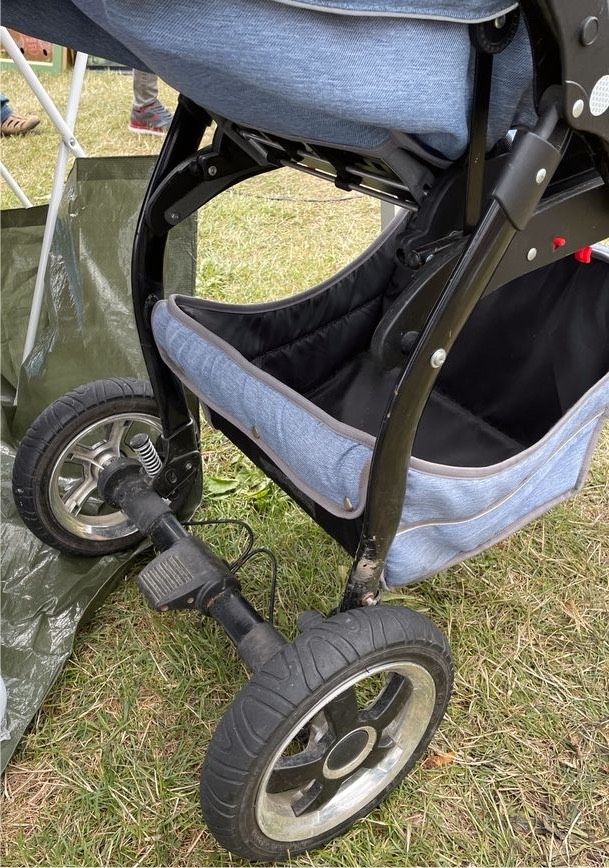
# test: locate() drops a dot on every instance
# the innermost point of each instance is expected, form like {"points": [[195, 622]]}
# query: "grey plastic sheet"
{"points": [[86, 332]]}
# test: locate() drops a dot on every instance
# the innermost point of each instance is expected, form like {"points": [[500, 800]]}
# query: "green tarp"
{"points": [[86, 332]]}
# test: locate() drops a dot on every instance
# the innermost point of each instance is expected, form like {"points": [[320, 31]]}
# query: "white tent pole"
{"points": [[14, 186], [78, 75], [67, 134]]}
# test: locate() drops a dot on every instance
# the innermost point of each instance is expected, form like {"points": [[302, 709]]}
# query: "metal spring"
{"points": [[143, 447]]}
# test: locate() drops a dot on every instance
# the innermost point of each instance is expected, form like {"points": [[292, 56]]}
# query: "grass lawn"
{"points": [[108, 773]]}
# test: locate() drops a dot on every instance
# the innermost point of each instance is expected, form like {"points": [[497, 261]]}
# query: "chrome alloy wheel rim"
{"points": [[352, 753], [73, 496]]}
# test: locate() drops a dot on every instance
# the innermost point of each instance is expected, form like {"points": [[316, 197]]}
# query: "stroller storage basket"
{"points": [[506, 434]]}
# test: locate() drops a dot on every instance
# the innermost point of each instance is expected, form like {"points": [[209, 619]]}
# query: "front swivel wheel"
{"points": [[324, 731]]}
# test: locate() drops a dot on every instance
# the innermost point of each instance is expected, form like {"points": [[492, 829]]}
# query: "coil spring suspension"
{"points": [[143, 447]]}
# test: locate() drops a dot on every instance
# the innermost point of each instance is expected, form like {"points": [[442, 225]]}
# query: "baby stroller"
{"points": [[443, 390]]}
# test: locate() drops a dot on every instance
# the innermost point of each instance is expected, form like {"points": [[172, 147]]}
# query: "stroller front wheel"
{"points": [[60, 457], [324, 731]]}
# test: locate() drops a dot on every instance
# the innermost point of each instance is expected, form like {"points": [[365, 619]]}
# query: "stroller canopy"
{"points": [[352, 73]]}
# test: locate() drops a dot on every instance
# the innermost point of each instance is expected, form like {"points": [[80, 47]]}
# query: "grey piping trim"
{"points": [[406, 528], [318, 289], [446, 470], [519, 523], [301, 4], [346, 431]]}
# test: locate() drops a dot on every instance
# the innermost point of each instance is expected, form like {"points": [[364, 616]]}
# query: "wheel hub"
{"points": [[349, 753]]}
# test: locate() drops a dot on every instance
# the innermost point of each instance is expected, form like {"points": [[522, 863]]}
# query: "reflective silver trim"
{"points": [[273, 811]]}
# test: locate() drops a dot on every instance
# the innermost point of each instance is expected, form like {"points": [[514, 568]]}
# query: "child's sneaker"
{"points": [[152, 119]]}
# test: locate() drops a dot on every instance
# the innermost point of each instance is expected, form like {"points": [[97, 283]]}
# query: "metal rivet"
{"points": [[578, 107], [347, 504], [438, 358], [589, 30], [541, 176], [190, 601], [500, 22], [532, 254], [212, 171], [255, 432], [188, 466], [174, 216]]}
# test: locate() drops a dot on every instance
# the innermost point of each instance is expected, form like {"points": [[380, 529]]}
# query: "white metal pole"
{"points": [[14, 186], [67, 134], [78, 75]]}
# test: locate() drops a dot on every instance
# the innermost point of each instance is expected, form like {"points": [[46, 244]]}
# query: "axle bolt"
{"points": [[212, 171]]}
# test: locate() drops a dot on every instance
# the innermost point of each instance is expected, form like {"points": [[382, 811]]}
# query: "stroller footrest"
{"points": [[185, 576]]}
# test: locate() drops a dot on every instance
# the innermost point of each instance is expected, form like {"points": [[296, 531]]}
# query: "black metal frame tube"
{"points": [[393, 449]]}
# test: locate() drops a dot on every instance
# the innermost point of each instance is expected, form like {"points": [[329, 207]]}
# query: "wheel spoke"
{"points": [[293, 772], [389, 704], [343, 712], [382, 747], [316, 794], [75, 500], [83, 455], [118, 429]]}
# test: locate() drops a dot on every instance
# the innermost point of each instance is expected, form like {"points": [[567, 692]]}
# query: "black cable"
{"points": [[325, 201], [235, 565], [273, 561], [249, 553]]}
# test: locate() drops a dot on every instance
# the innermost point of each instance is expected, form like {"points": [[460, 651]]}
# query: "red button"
{"points": [[558, 242], [584, 254]]}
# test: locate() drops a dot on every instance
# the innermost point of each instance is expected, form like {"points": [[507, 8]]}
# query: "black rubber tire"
{"points": [[283, 691], [44, 442]]}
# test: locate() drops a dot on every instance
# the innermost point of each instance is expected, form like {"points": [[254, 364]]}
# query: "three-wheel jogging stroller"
{"points": [[428, 400]]}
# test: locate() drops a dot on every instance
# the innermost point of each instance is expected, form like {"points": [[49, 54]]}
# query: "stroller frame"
{"points": [[469, 264], [479, 224]]}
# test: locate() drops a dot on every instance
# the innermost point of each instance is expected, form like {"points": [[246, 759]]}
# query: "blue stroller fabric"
{"points": [[346, 72]]}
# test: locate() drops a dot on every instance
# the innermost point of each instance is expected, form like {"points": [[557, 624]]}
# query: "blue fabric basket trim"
{"points": [[422, 550], [327, 460]]}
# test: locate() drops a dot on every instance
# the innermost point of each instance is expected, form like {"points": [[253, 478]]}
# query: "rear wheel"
{"points": [[324, 731], [59, 459]]}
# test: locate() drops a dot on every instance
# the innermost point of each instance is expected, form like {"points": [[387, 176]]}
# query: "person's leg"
{"points": [[148, 114], [145, 88], [12, 124], [5, 109]]}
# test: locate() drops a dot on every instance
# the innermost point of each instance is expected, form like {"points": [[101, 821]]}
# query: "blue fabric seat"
{"points": [[351, 73]]}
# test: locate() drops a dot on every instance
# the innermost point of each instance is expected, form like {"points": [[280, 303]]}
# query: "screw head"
{"points": [[438, 358], [532, 254], [578, 107], [171, 476], [541, 176], [212, 171]]}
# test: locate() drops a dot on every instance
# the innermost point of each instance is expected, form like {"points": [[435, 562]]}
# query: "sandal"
{"points": [[17, 125]]}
